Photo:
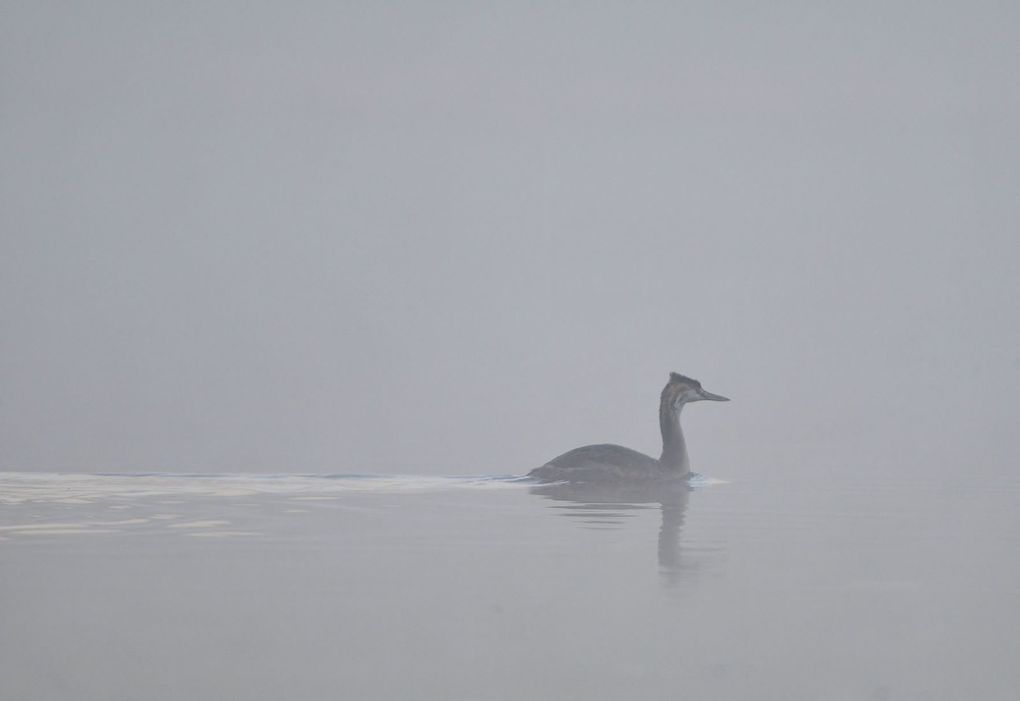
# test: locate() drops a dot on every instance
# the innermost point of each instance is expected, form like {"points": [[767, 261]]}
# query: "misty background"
{"points": [[443, 238]]}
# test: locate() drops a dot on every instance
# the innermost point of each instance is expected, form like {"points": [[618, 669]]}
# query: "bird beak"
{"points": [[714, 397]]}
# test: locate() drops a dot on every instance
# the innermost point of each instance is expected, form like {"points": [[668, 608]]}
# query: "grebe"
{"points": [[607, 463]]}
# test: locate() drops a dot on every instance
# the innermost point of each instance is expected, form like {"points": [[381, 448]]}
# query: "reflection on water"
{"points": [[163, 587], [43, 505], [613, 505]]}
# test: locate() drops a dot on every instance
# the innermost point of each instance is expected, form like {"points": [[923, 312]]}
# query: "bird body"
{"points": [[603, 462]]}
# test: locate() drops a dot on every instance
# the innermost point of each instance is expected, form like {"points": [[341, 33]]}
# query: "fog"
{"points": [[445, 239], [378, 258]]}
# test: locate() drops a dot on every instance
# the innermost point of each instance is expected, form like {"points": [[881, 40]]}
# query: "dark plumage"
{"points": [[614, 463]]}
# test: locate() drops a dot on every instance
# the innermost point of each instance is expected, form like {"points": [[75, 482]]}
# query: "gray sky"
{"points": [[449, 238]]}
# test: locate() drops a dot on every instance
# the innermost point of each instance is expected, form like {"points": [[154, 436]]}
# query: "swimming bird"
{"points": [[609, 463]]}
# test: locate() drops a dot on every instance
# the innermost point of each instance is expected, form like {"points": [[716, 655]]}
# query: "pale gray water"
{"points": [[151, 588]]}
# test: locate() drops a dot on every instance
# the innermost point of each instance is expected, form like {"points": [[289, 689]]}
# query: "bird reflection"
{"points": [[597, 505]]}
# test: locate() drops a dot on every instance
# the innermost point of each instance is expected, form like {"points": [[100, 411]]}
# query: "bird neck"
{"points": [[674, 448]]}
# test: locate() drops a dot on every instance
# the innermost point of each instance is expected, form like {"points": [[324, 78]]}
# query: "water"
{"points": [[155, 587]]}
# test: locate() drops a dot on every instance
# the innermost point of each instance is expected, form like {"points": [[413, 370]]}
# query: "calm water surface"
{"points": [[176, 587]]}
